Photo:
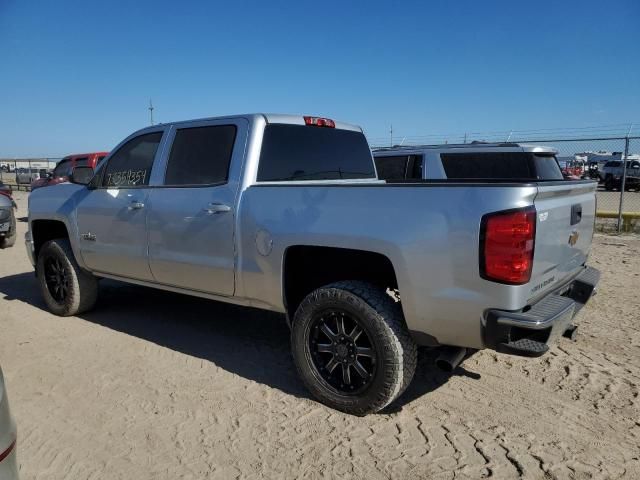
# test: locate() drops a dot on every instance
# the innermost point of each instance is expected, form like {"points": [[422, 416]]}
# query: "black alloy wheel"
{"points": [[342, 351], [56, 279]]}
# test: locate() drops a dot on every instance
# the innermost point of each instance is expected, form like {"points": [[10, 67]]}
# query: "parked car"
{"points": [[64, 167], [8, 461], [488, 161], [7, 220], [5, 189], [612, 172], [285, 213], [28, 175]]}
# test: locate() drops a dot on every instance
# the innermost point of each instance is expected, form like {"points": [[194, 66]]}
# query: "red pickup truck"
{"points": [[66, 165]]}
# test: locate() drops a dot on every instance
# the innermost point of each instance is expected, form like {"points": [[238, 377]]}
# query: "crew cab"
{"points": [[286, 213], [65, 166]]}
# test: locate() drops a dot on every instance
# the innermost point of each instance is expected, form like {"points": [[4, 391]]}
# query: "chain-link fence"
{"points": [[19, 173], [615, 163]]}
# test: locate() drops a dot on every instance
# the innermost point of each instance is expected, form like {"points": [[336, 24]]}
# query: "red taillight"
{"points": [[506, 246], [320, 122]]}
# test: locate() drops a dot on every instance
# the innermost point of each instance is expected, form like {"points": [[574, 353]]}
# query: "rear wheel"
{"points": [[352, 348], [609, 185], [67, 289]]}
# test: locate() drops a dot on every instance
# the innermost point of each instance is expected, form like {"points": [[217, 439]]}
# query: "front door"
{"points": [[112, 215], [191, 219]]}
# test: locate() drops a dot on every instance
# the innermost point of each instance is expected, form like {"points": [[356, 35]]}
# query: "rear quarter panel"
{"points": [[429, 232]]}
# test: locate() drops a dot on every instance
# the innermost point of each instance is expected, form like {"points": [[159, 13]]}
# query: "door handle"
{"points": [[214, 208], [135, 205]]}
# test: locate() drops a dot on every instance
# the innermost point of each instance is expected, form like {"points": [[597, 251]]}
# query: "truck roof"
{"points": [[471, 146], [292, 119]]}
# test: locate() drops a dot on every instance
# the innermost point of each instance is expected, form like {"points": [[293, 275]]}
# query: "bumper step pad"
{"points": [[525, 347]]}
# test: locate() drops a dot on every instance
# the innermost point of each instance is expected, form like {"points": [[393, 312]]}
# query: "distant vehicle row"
{"points": [[65, 167]]}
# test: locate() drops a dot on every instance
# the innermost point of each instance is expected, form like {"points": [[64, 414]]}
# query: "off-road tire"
{"points": [[609, 185], [82, 285], [382, 318], [10, 239]]}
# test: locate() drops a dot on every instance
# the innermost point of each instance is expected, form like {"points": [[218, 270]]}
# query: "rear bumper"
{"points": [[529, 332]]}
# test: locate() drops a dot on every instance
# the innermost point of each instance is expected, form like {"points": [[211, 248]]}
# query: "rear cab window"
{"points": [[301, 152]]}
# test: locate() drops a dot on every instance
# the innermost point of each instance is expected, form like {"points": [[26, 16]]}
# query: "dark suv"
{"points": [[612, 173]]}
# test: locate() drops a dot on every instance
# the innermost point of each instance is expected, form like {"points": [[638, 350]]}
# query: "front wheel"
{"points": [[352, 348], [10, 238], [67, 289]]}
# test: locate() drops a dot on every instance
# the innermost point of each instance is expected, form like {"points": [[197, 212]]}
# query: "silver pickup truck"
{"points": [[286, 213]]}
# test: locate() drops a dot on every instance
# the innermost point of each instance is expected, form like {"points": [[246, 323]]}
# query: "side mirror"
{"points": [[81, 175]]}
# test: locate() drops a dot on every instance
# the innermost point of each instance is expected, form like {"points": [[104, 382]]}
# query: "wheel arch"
{"points": [[43, 230], [308, 267]]}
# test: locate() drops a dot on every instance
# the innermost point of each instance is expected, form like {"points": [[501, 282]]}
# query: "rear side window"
{"points": [[613, 164], [500, 165], [131, 165], [82, 162], [546, 167], [399, 167], [300, 152], [201, 155]]}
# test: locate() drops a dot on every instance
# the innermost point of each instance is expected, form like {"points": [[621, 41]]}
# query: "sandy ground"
{"points": [[154, 385]]}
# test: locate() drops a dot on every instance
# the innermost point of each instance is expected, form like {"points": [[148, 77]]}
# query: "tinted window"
{"points": [[500, 165], [391, 167], [399, 167], [201, 155], [547, 168], [300, 152], [612, 164], [82, 162], [63, 168], [131, 165]]}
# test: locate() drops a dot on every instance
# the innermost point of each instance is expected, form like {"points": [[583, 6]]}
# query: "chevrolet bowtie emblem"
{"points": [[573, 238]]}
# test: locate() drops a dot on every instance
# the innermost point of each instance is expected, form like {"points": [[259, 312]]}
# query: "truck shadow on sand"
{"points": [[251, 343]]}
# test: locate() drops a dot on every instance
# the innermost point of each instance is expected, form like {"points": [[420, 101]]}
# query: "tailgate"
{"points": [[564, 230]]}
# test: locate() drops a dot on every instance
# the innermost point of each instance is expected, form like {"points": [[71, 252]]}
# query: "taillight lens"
{"points": [[319, 122], [507, 242]]}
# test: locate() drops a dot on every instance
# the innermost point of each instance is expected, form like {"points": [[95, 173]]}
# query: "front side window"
{"points": [[300, 152], [131, 165], [63, 168], [201, 155]]}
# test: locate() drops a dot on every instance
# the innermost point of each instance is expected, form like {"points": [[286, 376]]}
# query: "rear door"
{"points": [[191, 220], [564, 230]]}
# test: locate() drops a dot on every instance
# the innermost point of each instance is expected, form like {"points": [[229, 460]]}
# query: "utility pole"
{"points": [[151, 111], [391, 136]]}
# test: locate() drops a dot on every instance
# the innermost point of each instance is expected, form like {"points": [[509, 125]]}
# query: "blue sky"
{"points": [[77, 76]]}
